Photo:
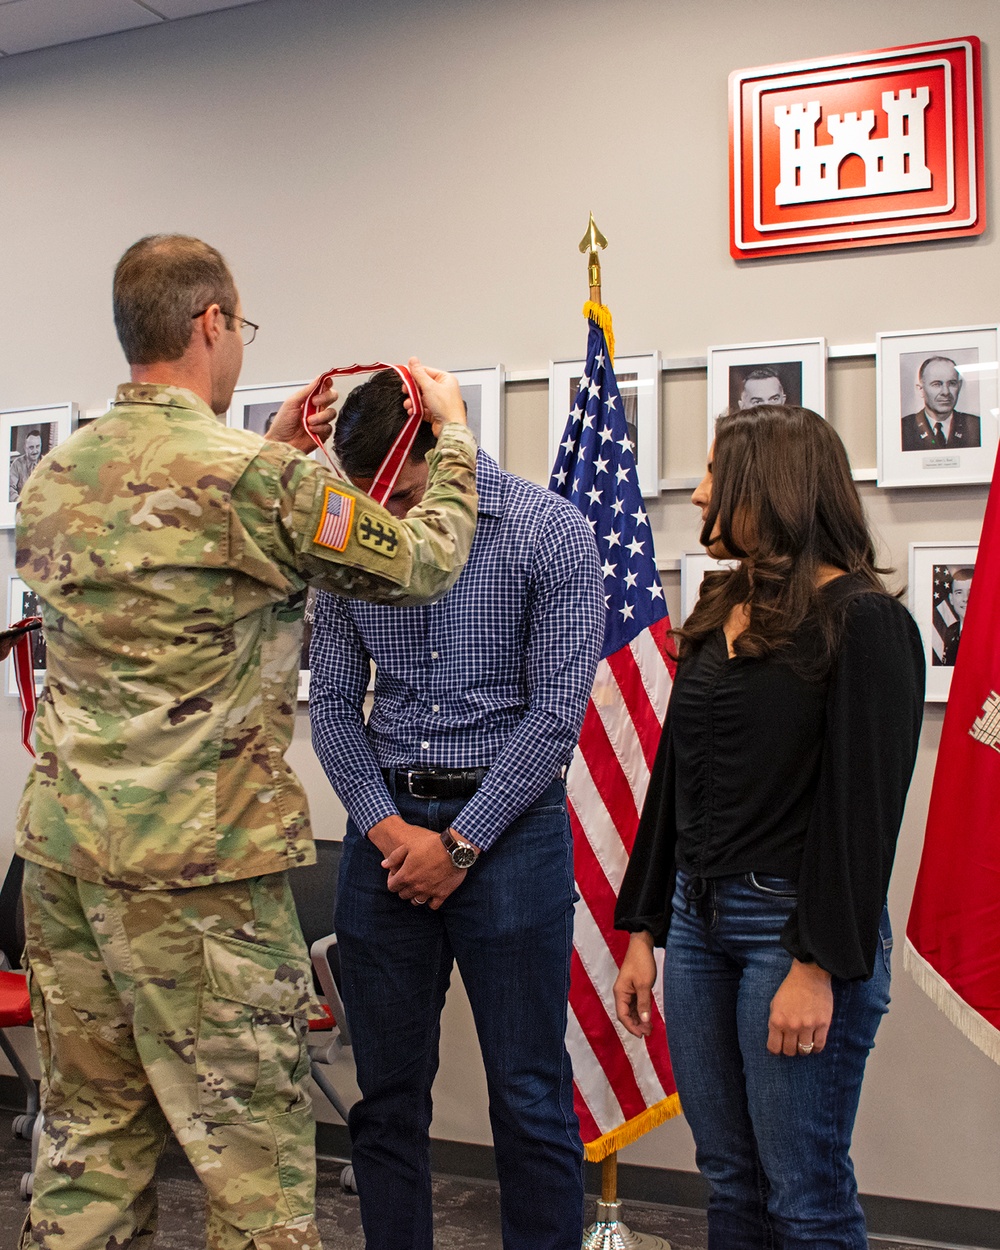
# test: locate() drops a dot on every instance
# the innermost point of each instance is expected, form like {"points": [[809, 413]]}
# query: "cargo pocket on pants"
{"points": [[250, 1054]]}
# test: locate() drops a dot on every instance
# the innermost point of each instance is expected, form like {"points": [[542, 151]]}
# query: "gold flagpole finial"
{"points": [[590, 242]]}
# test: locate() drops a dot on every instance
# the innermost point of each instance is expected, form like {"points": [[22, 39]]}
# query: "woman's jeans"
{"points": [[772, 1133]]}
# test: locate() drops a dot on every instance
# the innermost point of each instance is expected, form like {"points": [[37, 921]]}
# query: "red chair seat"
{"points": [[15, 1004], [324, 1025]]}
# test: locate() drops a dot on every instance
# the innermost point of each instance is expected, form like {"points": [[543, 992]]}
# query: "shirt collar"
{"points": [[163, 397], [489, 485]]}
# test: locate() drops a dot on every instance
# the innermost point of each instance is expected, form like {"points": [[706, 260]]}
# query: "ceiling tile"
{"points": [[27, 24], [188, 8]]}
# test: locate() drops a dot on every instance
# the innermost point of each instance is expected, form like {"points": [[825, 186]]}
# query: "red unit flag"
{"points": [[953, 934]]}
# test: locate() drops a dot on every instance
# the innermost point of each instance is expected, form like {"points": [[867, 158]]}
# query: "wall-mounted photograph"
{"points": [[21, 602], [638, 379], [694, 566], [26, 435], [483, 392], [937, 406], [254, 407], [745, 375], [940, 581]]}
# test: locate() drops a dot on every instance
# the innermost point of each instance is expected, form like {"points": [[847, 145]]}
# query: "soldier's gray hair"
{"points": [[161, 282]]}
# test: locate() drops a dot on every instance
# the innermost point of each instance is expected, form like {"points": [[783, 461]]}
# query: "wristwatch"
{"points": [[463, 854]]}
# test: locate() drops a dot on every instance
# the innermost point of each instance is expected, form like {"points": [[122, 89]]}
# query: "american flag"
{"points": [[623, 1085], [338, 509]]}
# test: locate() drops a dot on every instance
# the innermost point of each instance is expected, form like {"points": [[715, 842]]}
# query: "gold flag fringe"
{"points": [[978, 1030], [601, 314], [632, 1130]]}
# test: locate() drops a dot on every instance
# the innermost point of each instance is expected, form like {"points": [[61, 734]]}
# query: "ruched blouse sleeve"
{"points": [[873, 715], [648, 885]]}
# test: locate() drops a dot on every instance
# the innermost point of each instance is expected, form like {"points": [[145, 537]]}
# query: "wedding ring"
{"points": [[419, 902], [805, 1048]]}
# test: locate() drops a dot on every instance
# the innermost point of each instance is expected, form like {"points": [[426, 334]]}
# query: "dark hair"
{"points": [[946, 360], [785, 504], [964, 574], [161, 282], [764, 371], [35, 433], [371, 417]]}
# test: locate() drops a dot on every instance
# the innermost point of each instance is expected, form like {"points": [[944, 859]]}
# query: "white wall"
{"points": [[416, 179]]}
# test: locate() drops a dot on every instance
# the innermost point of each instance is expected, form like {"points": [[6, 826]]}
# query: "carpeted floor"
{"points": [[467, 1212]]}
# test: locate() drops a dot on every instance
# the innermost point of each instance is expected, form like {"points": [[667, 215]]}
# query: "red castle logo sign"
{"points": [[859, 151]]}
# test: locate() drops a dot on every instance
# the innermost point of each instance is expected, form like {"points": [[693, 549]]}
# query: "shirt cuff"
{"points": [[369, 806]]}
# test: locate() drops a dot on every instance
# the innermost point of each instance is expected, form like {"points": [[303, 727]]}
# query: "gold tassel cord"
{"points": [[600, 314], [632, 1130]]}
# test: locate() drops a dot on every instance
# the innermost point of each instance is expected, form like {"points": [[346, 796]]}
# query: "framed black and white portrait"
{"points": [[694, 566], [937, 406], [307, 629], [940, 581], [21, 602], [26, 435], [638, 379], [254, 407], [483, 392], [747, 375]]}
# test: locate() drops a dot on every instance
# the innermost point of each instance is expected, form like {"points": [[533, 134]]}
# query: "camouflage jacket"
{"points": [[170, 555]]}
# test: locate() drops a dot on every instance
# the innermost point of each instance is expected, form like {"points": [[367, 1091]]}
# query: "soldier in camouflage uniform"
{"points": [[170, 984]]}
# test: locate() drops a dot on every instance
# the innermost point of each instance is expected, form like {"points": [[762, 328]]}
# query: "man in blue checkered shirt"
{"points": [[458, 844]]}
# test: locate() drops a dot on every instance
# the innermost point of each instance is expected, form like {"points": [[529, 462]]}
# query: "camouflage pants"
{"points": [[182, 1010]]}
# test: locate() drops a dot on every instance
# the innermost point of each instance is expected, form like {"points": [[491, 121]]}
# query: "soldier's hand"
{"points": [[441, 394], [287, 424]]}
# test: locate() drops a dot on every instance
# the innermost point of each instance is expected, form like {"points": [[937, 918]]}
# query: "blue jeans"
{"points": [[510, 927], [772, 1133]]}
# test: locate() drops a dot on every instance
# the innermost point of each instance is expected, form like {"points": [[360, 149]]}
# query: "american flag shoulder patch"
{"points": [[334, 526]]}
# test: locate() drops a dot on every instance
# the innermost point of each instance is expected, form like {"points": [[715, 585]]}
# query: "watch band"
{"points": [[463, 854]]}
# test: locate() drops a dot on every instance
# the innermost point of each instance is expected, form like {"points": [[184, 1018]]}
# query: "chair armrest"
{"points": [[319, 953]]}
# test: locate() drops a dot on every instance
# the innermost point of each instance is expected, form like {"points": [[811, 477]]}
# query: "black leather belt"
{"points": [[436, 783]]}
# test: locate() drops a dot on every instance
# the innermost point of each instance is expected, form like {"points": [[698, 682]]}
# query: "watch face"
{"points": [[463, 856]]}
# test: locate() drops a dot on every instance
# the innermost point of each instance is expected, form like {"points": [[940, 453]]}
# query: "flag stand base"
{"points": [[609, 1233]]}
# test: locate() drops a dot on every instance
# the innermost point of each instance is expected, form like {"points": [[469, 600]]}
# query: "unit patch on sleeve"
{"points": [[378, 535], [335, 519]]}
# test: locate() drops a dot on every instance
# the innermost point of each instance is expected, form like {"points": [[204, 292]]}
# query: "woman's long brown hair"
{"points": [[785, 504]]}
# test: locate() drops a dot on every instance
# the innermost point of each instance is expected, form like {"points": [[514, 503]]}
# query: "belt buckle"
{"points": [[413, 778]]}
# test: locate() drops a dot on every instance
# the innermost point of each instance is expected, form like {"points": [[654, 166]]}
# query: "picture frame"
{"points": [[21, 602], [935, 385], [638, 379], [307, 620], [694, 566], [27, 434], [483, 392], [253, 407], [940, 577], [749, 374], [303, 690]]}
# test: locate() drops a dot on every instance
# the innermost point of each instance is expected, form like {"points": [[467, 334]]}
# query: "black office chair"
{"points": [[15, 1006]]}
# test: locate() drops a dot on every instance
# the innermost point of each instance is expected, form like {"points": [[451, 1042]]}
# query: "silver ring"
{"points": [[805, 1048], [418, 902]]}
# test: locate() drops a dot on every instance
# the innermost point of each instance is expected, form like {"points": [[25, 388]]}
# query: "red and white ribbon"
{"points": [[24, 673], [385, 478]]}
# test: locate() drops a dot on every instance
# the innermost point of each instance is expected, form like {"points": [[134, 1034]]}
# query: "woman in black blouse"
{"points": [[763, 853]]}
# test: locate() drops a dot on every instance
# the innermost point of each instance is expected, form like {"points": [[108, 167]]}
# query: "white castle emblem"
{"points": [[811, 172], [986, 727]]}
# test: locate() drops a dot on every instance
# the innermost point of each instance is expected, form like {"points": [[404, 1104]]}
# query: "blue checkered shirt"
{"points": [[496, 674]]}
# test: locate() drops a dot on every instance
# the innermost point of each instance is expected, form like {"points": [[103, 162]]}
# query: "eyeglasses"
{"points": [[247, 328]]}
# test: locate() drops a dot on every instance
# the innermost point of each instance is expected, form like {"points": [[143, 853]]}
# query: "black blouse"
{"points": [[762, 770]]}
